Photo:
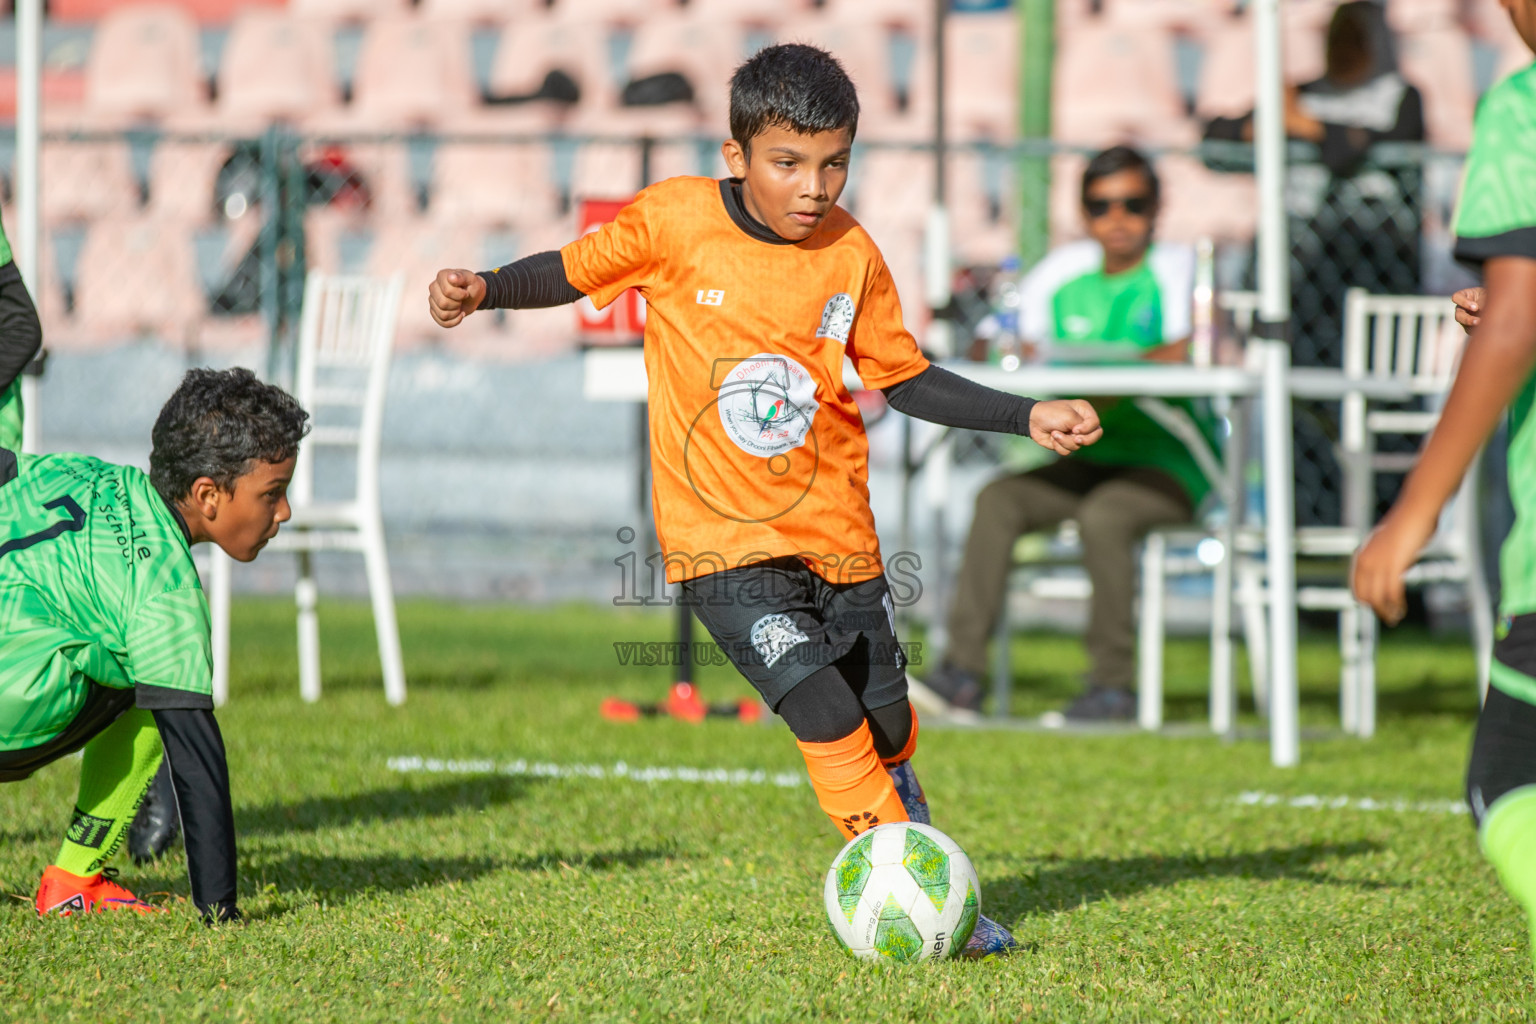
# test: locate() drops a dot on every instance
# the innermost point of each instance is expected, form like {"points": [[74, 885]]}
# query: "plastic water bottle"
{"points": [[1005, 298]]}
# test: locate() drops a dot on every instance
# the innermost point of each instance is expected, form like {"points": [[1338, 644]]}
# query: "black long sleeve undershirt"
{"points": [[938, 396], [533, 282], [200, 775]]}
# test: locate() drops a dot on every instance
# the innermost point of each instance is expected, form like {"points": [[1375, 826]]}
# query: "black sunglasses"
{"points": [[1136, 206]]}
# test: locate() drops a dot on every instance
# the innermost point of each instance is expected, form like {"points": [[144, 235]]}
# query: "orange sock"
{"points": [[851, 785]]}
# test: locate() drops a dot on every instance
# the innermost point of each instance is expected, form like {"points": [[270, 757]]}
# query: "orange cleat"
{"points": [[64, 893], [616, 710]]}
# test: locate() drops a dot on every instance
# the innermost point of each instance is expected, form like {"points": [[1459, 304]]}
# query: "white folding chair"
{"points": [[1412, 339], [346, 333]]}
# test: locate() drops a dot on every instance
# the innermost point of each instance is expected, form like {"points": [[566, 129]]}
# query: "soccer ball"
{"points": [[903, 892]]}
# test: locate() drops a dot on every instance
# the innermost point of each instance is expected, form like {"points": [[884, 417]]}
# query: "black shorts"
{"points": [[103, 706], [1504, 748], [777, 621]]}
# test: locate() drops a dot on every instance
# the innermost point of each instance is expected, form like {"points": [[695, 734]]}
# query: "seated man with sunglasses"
{"points": [[1115, 290]]}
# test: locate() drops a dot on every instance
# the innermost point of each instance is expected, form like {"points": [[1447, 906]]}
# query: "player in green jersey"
{"points": [[104, 630], [1495, 230], [20, 337]]}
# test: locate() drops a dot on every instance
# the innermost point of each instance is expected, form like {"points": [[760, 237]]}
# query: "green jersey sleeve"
{"points": [[1496, 214]]}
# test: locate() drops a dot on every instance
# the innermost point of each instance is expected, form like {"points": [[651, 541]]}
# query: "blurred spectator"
{"points": [[1355, 215], [1115, 295]]}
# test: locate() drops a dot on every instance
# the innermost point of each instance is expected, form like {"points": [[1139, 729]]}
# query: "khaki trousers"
{"points": [[1114, 506]]}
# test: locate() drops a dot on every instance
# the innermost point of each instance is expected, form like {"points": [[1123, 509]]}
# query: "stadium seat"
{"points": [[412, 71], [530, 48], [494, 183], [1163, 15], [704, 50], [981, 67], [1226, 87], [138, 276], [893, 186], [612, 170], [1200, 203], [1115, 85], [609, 12], [1423, 15], [146, 64], [418, 247], [983, 202], [1066, 214], [901, 246], [498, 11], [86, 181], [275, 68], [348, 10], [865, 51], [209, 12], [754, 12], [1439, 62], [182, 177]]}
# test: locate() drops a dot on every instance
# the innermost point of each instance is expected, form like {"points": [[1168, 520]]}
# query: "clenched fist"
{"points": [[453, 295]]}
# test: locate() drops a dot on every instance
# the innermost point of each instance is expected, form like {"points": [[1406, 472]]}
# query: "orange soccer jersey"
{"points": [[757, 447]]}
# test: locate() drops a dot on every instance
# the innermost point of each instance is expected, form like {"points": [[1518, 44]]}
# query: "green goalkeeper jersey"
{"points": [[1496, 216], [96, 585]]}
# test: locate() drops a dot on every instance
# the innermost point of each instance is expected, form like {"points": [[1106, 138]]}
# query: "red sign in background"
{"points": [[623, 322]]}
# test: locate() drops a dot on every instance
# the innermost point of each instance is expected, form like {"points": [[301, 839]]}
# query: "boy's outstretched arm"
{"points": [[946, 398], [533, 282], [1498, 360]]}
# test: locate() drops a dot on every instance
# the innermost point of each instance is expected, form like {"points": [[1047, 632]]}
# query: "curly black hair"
{"points": [[795, 86], [216, 424]]}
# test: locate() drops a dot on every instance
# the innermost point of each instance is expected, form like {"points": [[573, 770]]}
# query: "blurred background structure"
{"points": [[199, 155]]}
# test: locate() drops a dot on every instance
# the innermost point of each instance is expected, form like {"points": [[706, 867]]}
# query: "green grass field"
{"points": [[1141, 886]]}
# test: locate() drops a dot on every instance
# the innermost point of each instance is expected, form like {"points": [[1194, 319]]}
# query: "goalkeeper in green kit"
{"points": [[104, 628]]}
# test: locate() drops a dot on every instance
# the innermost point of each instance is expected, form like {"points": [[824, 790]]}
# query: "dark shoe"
{"points": [[958, 687], [1103, 704], [157, 824]]}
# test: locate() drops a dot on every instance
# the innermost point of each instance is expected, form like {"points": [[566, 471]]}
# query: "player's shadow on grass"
{"points": [[1054, 888], [397, 803], [313, 878]]}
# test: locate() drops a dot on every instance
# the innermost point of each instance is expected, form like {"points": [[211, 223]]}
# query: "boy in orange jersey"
{"points": [[756, 288]]}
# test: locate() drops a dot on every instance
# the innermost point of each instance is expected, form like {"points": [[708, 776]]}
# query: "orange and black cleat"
{"points": [[64, 893]]}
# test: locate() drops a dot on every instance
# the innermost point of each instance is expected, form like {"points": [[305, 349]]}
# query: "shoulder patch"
{"points": [[837, 318]]}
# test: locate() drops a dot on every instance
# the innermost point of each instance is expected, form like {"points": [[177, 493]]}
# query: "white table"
{"points": [[619, 375]]}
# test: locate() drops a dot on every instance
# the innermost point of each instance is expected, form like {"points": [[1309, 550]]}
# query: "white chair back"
{"points": [[345, 339]]}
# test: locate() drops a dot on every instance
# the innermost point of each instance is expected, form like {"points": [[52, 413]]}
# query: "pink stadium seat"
{"points": [[494, 184], [1164, 15], [501, 11], [1423, 15], [215, 12], [1115, 85], [419, 247], [913, 15], [532, 47], [145, 63], [348, 10], [901, 245], [86, 181], [705, 50], [1066, 197], [893, 186], [381, 169], [1439, 62], [611, 170], [1226, 86], [411, 72], [981, 65], [981, 233], [139, 277], [1199, 203], [608, 12], [755, 12], [275, 68], [182, 176]]}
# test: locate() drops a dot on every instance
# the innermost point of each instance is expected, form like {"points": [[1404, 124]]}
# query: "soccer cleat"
{"points": [[65, 894], [988, 940], [157, 823], [1103, 704]]}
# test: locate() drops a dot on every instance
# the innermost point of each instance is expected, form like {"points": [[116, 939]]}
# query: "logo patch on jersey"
{"points": [[767, 405], [774, 634], [710, 297], [88, 830], [837, 318]]}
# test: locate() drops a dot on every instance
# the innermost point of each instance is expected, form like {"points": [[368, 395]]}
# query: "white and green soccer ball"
{"points": [[903, 892]]}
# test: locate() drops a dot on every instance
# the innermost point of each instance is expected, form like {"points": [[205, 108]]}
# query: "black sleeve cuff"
{"points": [[938, 396], [164, 698], [1474, 252], [533, 282]]}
